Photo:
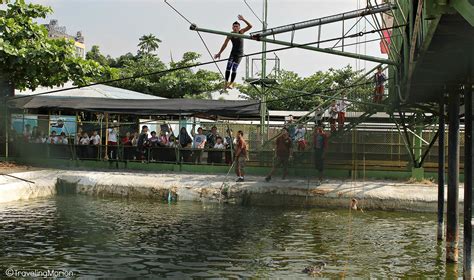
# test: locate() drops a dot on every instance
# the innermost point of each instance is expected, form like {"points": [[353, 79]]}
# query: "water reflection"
{"points": [[121, 238]]}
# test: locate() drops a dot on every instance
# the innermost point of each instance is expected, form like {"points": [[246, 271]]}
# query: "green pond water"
{"points": [[115, 238]]}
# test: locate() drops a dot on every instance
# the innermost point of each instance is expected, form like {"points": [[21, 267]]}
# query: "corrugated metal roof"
{"points": [[96, 91]]}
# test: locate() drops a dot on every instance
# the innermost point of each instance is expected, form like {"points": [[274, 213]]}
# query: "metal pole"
{"points": [[324, 20], [418, 137], [468, 182], [452, 216], [468, 170], [441, 168], [263, 106], [300, 46]]}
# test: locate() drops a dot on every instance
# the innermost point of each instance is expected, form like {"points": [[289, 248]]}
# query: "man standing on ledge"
{"points": [[236, 53], [241, 156]]}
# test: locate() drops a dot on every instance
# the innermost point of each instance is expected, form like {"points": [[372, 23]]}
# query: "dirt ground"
{"points": [[12, 167]]}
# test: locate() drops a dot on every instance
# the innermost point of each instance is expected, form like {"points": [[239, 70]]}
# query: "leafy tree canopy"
{"points": [[321, 82], [28, 58]]}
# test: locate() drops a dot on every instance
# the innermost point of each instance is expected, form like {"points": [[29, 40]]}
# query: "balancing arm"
{"points": [[226, 42], [247, 28]]}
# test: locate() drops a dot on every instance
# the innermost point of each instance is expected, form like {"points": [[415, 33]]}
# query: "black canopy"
{"points": [[225, 108]]}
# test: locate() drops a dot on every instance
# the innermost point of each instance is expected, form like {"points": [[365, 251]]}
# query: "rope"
{"points": [[210, 54], [180, 14], [200, 37], [253, 12]]}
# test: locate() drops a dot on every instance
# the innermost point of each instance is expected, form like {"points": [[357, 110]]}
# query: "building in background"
{"points": [[57, 31]]}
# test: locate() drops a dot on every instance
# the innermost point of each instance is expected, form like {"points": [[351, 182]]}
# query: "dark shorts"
{"points": [[318, 160], [235, 58]]}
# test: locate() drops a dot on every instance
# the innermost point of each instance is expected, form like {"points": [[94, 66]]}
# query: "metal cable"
{"points": [[202, 39], [253, 12]]}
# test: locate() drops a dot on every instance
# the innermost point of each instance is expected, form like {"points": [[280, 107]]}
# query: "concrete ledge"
{"points": [[384, 195]]}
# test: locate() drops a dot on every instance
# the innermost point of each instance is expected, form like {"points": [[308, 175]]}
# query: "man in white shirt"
{"points": [[199, 142], [95, 141], [342, 105]]}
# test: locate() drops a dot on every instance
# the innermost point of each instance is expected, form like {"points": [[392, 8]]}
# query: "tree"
{"points": [[95, 55], [148, 44], [187, 83], [28, 58], [176, 84], [322, 82]]}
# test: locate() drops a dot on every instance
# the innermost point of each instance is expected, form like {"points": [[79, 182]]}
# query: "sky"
{"points": [[116, 26]]}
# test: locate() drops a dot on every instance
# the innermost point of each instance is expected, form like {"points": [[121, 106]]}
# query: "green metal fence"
{"points": [[366, 147]]}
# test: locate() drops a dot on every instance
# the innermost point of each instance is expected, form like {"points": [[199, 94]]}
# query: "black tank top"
{"points": [[237, 46]]}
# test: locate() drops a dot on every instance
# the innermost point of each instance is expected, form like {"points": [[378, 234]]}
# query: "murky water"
{"points": [[118, 238]]}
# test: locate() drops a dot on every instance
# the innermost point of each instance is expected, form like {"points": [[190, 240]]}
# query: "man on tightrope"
{"points": [[236, 53]]}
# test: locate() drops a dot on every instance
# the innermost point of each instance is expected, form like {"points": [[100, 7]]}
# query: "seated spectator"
{"points": [[163, 142], [53, 139], [63, 139], [173, 144], [172, 141], [218, 154], [40, 138], [84, 146], [85, 140], [219, 143]]}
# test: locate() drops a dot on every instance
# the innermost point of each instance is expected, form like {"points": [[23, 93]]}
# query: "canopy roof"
{"points": [[224, 108], [97, 91]]}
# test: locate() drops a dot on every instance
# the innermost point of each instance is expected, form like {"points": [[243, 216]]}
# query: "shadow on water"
{"points": [[111, 237]]}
